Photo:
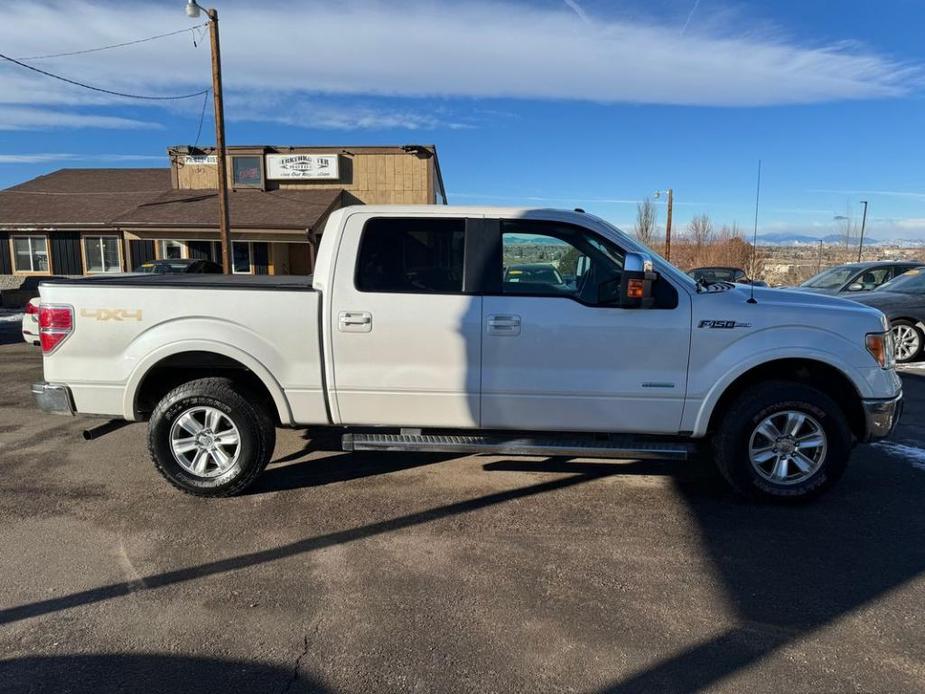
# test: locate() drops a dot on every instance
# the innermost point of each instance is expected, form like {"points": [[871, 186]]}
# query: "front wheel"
{"points": [[907, 339], [208, 438], [782, 440]]}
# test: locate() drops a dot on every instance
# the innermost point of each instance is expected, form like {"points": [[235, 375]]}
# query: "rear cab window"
{"points": [[411, 255]]}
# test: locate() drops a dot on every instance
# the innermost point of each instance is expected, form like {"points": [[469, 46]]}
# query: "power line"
{"points": [[100, 89], [114, 45], [202, 115]]}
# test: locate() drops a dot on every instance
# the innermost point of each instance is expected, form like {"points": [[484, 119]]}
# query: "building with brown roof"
{"points": [[87, 221]]}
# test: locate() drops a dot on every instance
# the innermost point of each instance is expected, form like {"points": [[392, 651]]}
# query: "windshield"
{"points": [[677, 275], [912, 282], [833, 278]]}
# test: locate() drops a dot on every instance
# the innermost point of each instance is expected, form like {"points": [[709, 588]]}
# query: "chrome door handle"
{"points": [[504, 324], [354, 321]]}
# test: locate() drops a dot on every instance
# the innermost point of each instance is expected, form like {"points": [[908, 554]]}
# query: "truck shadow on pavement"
{"points": [[786, 571], [126, 672]]}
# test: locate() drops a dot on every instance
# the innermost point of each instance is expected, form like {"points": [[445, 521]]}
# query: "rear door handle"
{"points": [[355, 321], [504, 324]]}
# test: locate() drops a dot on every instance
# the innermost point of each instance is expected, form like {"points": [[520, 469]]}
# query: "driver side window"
{"points": [[548, 259]]}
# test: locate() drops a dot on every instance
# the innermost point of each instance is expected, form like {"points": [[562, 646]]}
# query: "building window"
{"points": [[30, 253], [172, 250], [101, 254], [241, 258], [247, 172]]}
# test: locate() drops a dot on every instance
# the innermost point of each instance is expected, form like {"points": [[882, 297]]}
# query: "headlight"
{"points": [[880, 346]]}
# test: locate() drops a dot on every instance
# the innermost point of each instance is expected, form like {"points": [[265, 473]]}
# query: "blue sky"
{"points": [[543, 103]]}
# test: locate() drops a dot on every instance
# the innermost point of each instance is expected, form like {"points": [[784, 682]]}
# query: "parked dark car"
{"points": [[903, 301], [175, 265], [708, 275], [856, 277]]}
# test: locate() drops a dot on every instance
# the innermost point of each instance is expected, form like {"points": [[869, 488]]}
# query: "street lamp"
{"points": [[192, 10], [670, 194]]}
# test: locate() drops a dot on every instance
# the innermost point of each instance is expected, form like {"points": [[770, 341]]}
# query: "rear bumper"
{"points": [[53, 398], [881, 416]]}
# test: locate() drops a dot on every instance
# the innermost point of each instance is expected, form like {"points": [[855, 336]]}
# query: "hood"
{"points": [[885, 300], [792, 296], [787, 308]]}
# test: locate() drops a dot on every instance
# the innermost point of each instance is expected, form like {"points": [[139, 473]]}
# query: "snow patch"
{"points": [[913, 454]]}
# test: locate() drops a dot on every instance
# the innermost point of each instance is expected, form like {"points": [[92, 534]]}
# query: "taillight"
{"points": [[56, 322], [31, 309]]}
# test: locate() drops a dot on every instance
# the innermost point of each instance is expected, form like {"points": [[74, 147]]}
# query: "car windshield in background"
{"points": [[717, 275], [830, 279], [912, 282], [163, 266]]}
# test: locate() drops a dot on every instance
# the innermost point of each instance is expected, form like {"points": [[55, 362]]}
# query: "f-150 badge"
{"points": [[119, 314], [722, 324]]}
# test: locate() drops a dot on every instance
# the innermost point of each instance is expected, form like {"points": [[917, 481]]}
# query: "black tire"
{"points": [[256, 429], [916, 335], [732, 438]]}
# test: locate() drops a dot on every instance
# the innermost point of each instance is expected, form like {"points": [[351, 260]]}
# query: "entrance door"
{"points": [[559, 353], [406, 339]]}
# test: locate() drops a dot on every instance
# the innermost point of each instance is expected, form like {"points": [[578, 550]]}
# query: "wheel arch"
{"points": [[178, 363], [818, 374]]}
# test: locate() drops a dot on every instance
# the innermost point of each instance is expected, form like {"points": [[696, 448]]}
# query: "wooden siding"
{"points": [[65, 253], [139, 252], [383, 177], [6, 258]]}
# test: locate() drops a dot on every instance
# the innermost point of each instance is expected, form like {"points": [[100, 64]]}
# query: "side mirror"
{"points": [[855, 287], [636, 283]]}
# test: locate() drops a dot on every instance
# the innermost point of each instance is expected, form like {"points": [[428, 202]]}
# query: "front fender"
{"points": [[711, 373]]}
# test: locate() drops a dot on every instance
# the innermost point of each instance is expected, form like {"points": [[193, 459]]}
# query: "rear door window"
{"points": [[411, 255]]}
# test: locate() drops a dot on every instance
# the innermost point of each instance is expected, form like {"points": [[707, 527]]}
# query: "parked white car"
{"points": [[409, 338], [30, 322]]}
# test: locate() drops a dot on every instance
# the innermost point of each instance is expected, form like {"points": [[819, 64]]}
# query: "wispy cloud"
{"points": [[417, 48], [28, 118], [886, 193]]}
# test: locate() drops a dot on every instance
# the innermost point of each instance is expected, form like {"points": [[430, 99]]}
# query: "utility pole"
{"points": [[670, 194], [224, 222], [863, 225]]}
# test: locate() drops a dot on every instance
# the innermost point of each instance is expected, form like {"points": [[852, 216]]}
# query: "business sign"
{"points": [[289, 166], [200, 159]]}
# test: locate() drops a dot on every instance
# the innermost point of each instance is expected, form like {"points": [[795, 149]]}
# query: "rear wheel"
{"points": [[907, 340], [209, 438], [782, 440]]}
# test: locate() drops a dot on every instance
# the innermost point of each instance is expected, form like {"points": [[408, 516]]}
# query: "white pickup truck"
{"points": [[445, 329]]}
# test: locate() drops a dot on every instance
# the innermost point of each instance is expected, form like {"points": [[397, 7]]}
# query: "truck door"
{"points": [[560, 354], [405, 336]]}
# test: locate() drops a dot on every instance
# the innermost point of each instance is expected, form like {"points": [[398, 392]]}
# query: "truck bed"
{"points": [[126, 326]]}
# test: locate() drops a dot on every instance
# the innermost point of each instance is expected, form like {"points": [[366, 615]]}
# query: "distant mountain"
{"points": [[789, 239], [786, 239], [533, 240]]}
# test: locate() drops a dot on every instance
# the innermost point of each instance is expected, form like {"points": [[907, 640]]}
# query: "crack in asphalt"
{"points": [[295, 667]]}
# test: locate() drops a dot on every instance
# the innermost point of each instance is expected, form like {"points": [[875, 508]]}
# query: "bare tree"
{"points": [[700, 230], [646, 220]]}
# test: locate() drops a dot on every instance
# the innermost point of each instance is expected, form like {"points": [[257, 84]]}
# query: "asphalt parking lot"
{"points": [[358, 572]]}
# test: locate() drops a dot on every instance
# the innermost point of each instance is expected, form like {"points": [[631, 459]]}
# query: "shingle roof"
{"points": [[272, 209], [144, 198], [80, 196]]}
